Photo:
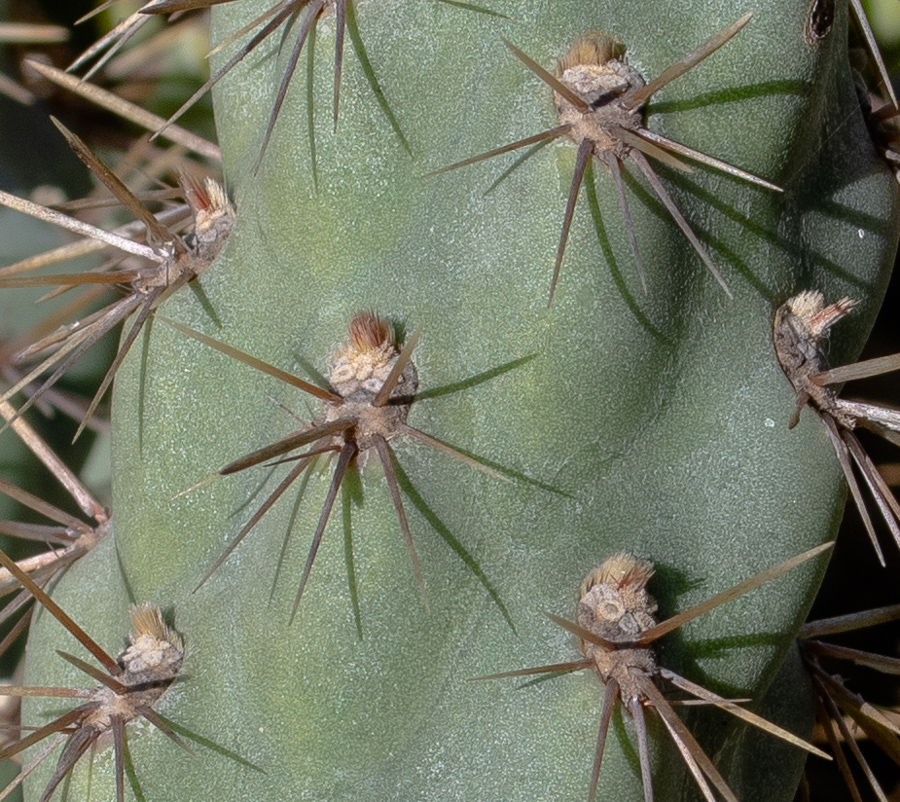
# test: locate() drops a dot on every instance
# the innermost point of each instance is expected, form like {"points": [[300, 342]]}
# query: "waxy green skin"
{"points": [[661, 418]]}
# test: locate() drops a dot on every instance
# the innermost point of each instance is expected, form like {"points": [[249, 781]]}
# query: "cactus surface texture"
{"points": [[613, 419]]}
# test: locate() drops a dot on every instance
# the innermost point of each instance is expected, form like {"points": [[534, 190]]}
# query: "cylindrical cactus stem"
{"points": [[654, 422]]}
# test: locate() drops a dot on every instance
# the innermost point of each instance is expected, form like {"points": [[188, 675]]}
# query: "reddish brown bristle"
{"points": [[810, 308], [154, 649], [594, 48], [368, 332], [620, 570], [613, 602], [194, 192]]}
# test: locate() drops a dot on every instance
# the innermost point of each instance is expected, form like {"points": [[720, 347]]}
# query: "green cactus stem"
{"points": [[661, 417]]}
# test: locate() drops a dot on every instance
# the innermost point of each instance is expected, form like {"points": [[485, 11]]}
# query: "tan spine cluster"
{"points": [[801, 326], [364, 362]]}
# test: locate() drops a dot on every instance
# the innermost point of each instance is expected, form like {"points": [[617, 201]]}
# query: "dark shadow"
{"points": [[719, 647], [473, 7], [351, 495], [542, 678], [730, 95], [628, 750], [632, 304], [203, 299], [142, 381], [496, 466], [304, 481], [517, 163], [438, 525], [130, 773], [250, 499], [126, 582], [311, 106], [209, 744], [474, 381], [312, 374], [356, 39], [712, 244]]}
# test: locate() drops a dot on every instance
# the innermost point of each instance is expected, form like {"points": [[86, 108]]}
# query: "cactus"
{"points": [[616, 418]]}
